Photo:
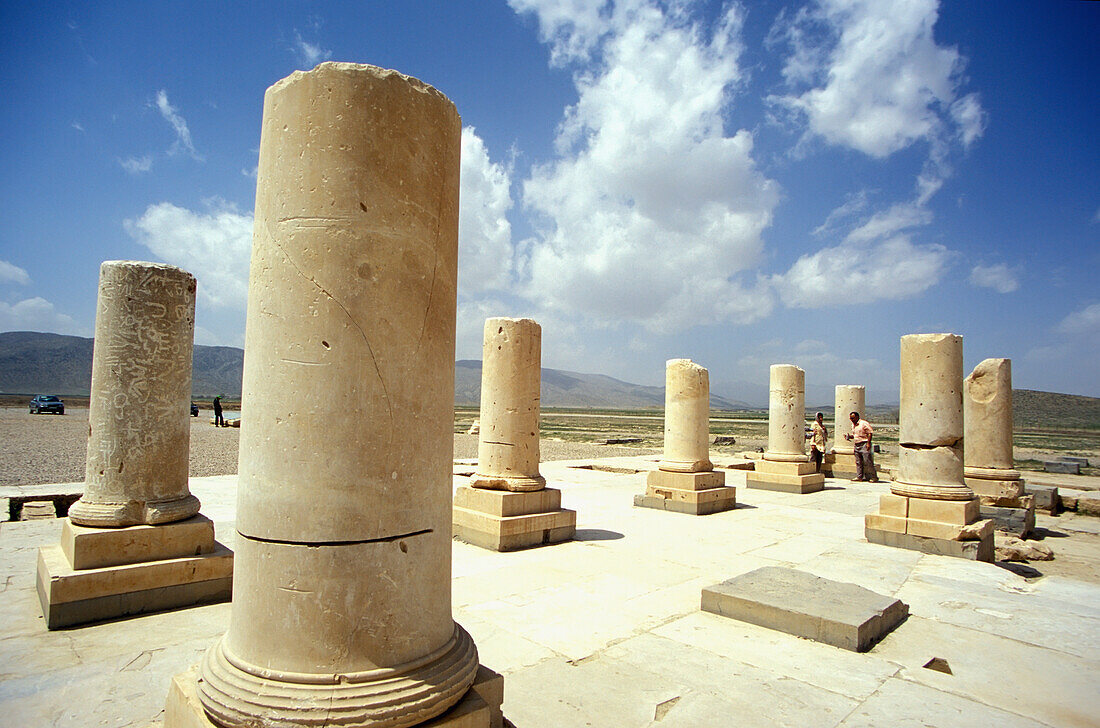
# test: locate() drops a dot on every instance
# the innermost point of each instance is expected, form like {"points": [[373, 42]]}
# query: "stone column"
{"points": [[139, 430], [341, 595], [849, 398], [687, 418], [785, 466], [930, 447], [786, 415], [929, 507], [685, 480], [988, 458], [511, 373]]}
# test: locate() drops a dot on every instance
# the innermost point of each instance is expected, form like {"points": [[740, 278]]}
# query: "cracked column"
{"points": [[685, 480], [840, 463], [930, 508], [785, 465], [341, 609], [136, 512], [988, 458], [508, 505]]}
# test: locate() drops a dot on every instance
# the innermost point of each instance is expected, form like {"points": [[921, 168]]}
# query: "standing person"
{"points": [[218, 420], [817, 436], [861, 437]]}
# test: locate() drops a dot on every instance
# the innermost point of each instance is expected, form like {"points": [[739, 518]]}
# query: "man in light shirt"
{"points": [[861, 437]]}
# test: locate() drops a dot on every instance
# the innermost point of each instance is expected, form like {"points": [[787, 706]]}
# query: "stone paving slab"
{"points": [[836, 613]]}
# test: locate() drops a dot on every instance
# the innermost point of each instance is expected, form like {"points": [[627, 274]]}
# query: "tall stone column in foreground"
{"points": [[508, 505], [841, 461], [685, 480], [341, 597], [136, 508], [930, 508], [785, 465], [988, 459]]}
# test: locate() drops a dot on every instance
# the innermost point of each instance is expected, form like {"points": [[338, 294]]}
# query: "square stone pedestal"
{"points": [[479, 708], [505, 521], [103, 573], [1006, 503], [699, 494], [839, 465], [950, 528], [785, 477]]}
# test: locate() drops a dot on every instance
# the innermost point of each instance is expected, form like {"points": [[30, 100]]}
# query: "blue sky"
{"points": [[738, 183]]}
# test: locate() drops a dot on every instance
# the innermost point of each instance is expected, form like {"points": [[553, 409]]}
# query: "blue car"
{"points": [[47, 403]]}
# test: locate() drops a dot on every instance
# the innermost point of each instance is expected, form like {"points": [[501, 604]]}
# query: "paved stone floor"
{"points": [[606, 630]]}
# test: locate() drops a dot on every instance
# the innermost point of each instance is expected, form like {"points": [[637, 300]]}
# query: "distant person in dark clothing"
{"points": [[219, 421]]}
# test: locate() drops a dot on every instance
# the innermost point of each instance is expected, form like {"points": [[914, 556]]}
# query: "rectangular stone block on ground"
{"points": [[786, 483], [836, 613], [685, 481], [1083, 462], [997, 492], [980, 550], [69, 597], [1061, 466], [1017, 521], [1044, 497], [479, 708], [693, 502], [777, 468], [1088, 504], [90, 548], [509, 533]]}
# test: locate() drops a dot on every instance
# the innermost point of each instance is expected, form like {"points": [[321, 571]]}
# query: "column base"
{"points": [[507, 521], [1017, 521], [698, 494], [95, 574], [950, 528], [478, 708], [786, 477], [839, 465], [996, 492]]}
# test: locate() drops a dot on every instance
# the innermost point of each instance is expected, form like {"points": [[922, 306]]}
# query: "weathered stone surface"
{"points": [[987, 410], [1014, 549], [351, 291], [687, 418], [1083, 462], [837, 613], [507, 503], [1045, 497], [1062, 466], [696, 502], [508, 442], [1018, 521], [510, 533], [849, 398], [70, 597], [981, 550], [811, 483], [138, 425], [786, 414], [92, 548], [1088, 504], [685, 481]]}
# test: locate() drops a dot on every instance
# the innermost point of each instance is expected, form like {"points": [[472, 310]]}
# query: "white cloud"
{"points": [[869, 75], [11, 273], [214, 245], [179, 125], [999, 277], [77, 125], [891, 269], [896, 218], [309, 54], [651, 211], [136, 165], [37, 314], [484, 233], [1083, 323]]}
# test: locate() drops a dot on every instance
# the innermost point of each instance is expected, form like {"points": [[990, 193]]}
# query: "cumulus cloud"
{"points": [[179, 125], [999, 277], [136, 165], [213, 244], [1084, 323], [484, 233], [890, 269], [870, 76], [650, 212], [37, 314], [11, 273], [309, 54]]}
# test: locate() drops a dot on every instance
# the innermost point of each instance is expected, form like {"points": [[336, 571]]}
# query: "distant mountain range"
{"points": [[36, 363]]}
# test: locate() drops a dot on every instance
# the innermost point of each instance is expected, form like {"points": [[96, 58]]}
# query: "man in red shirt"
{"points": [[861, 436]]}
